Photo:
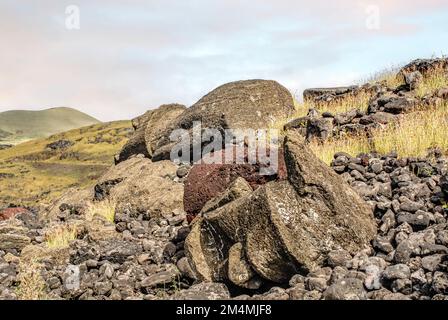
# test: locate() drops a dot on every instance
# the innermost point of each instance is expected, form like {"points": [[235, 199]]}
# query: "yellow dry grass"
{"points": [[414, 135], [104, 209], [31, 285], [435, 80], [388, 76], [61, 236], [349, 102]]}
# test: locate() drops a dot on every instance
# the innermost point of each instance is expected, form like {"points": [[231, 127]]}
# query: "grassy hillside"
{"points": [[21, 125], [33, 174]]}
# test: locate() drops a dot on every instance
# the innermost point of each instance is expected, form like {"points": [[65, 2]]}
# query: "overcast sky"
{"points": [[129, 56]]}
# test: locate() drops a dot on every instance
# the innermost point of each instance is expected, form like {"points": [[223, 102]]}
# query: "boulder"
{"points": [[321, 129], [399, 105], [9, 213], [441, 93], [346, 289], [143, 187], [206, 250], [13, 237], [207, 181], [159, 120], [298, 124], [249, 104], [316, 94], [237, 189], [75, 201], [377, 118], [283, 227], [146, 127], [135, 186], [413, 79], [338, 208], [60, 144], [136, 143], [345, 118]]}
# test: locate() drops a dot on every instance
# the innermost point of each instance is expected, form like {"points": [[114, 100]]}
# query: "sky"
{"points": [[116, 59]]}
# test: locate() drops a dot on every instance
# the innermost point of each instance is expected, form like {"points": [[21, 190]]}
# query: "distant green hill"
{"points": [[25, 125], [4, 134]]}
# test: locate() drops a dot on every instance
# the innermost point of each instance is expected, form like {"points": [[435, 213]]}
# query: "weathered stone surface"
{"points": [[75, 201], [424, 66], [346, 289], [206, 249], [144, 186], [413, 79], [161, 278], [13, 237], [319, 128], [240, 272], [330, 206], [399, 105], [249, 104], [255, 220], [136, 143], [237, 189], [147, 130], [444, 184], [284, 227], [9, 213], [158, 121], [313, 94], [208, 181]]}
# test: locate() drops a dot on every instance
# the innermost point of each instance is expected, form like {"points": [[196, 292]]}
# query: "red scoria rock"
{"points": [[9, 213], [206, 181]]}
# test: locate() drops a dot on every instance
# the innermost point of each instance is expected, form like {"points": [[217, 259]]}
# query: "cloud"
{"points": [[133, 55]]}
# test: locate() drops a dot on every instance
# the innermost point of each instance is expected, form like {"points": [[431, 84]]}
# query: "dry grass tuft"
{"points": [[104, 209], [413, 136], [435, 80], [61, 236], [416, 133], [31, 284], [352, 145], [389, 77]]}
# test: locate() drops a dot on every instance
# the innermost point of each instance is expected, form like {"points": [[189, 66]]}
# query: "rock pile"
{"points": [[386, 104], [282, 227]]}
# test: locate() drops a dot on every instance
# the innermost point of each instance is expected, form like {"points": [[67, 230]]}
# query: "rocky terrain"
{"points": [[370, 226]]}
